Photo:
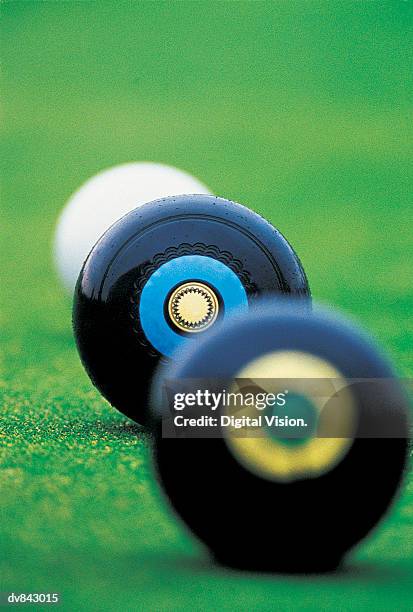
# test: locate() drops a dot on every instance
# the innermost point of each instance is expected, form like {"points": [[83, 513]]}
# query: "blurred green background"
{"points": [[301, 110]]}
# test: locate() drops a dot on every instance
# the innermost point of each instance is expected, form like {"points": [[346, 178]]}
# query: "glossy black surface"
{"points": [[301, 526], [106, 303]]}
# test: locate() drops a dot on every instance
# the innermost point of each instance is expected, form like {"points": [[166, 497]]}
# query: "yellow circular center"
{"points": [[193, 307], [296, 371]]}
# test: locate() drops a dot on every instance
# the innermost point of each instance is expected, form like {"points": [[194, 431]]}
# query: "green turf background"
{"points": [[301, 110]]}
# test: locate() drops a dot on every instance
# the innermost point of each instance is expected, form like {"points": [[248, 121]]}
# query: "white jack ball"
{"points": [[104, 199]]}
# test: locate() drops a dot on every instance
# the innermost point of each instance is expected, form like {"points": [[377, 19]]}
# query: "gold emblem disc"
{"points": [[193, 307]]}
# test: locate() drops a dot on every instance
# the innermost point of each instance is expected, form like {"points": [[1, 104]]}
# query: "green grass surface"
{"points": [[301, 110]]}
